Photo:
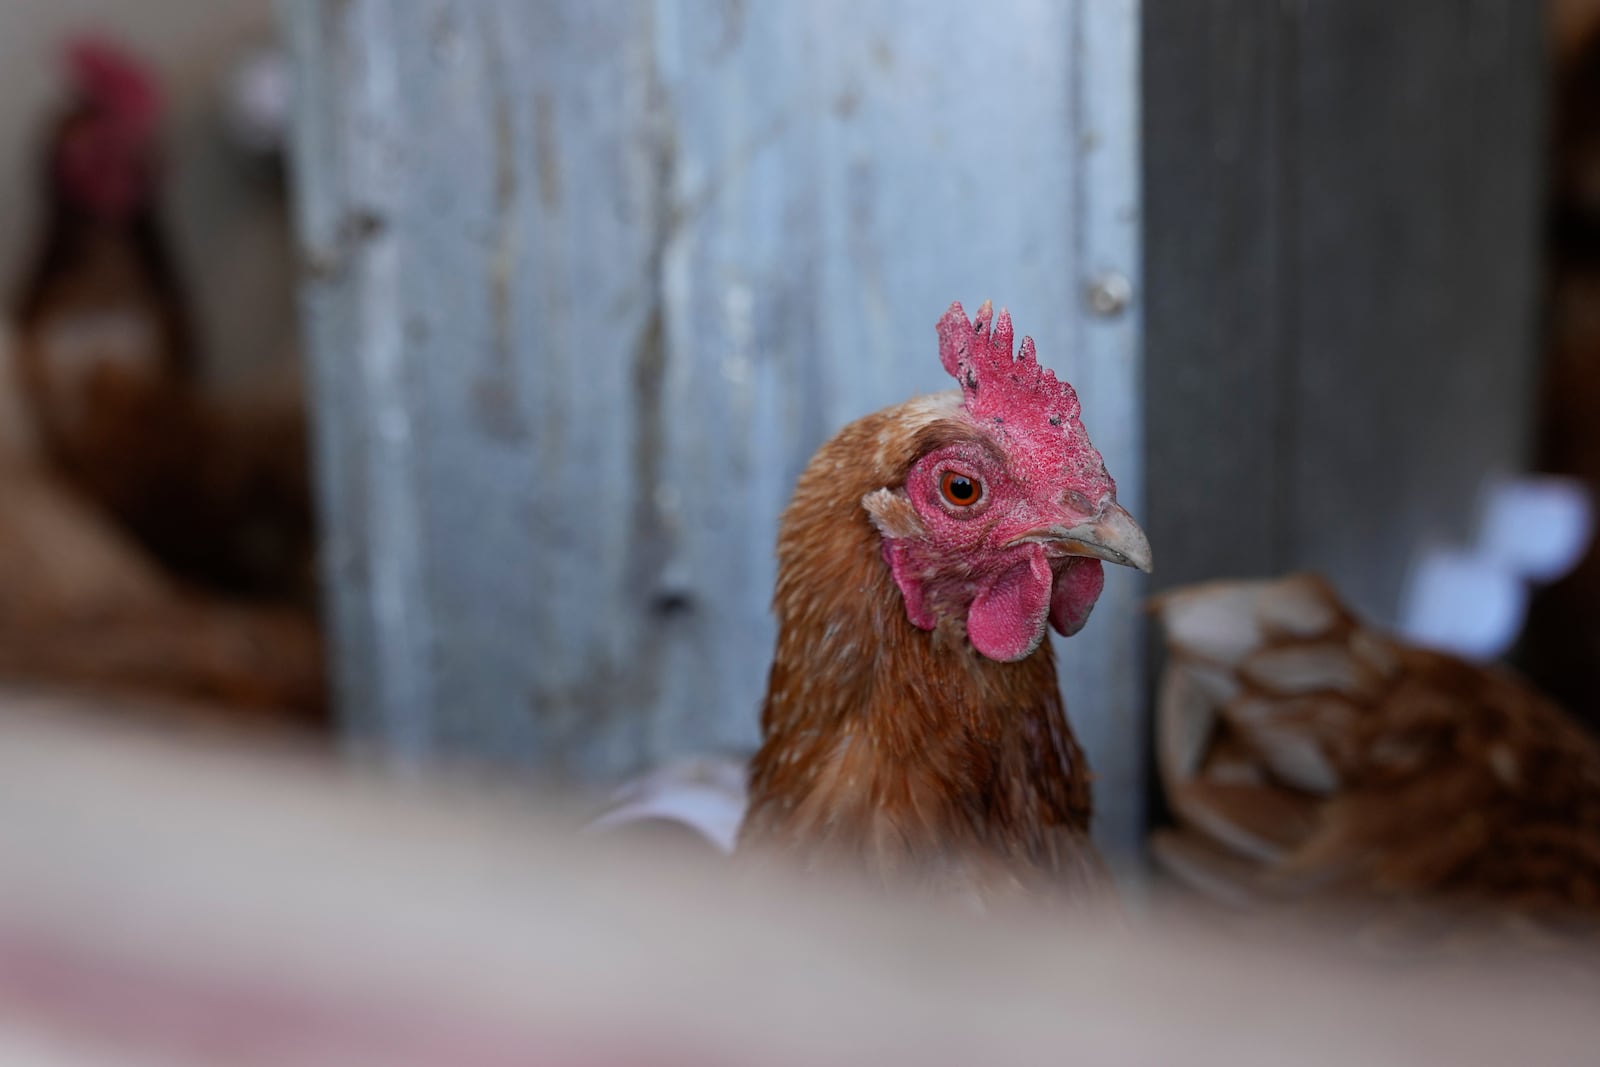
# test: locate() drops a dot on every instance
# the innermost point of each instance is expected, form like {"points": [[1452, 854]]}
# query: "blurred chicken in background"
{"points": [[156, 537], [1312, 761], [216, 489]]}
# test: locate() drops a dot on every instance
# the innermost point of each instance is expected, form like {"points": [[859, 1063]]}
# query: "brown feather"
{"points": [[894, 753], [109, 373], [1417, 779]]}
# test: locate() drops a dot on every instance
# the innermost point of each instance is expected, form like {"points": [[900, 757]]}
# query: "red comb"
{"points": [[996, 385], [113, 80], [1025, 400]]}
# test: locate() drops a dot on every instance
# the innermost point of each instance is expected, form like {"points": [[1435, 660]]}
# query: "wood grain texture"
{"points": [[590, 283]]}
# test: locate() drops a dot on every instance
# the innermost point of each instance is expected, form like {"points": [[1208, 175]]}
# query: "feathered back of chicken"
{"points": [[1306, 756]]}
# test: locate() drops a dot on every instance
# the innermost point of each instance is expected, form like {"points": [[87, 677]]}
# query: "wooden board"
{"points": [[1341, 225]]}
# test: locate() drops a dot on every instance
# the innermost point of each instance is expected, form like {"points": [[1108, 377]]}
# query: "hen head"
{"points": [[1006, 511], [103, 160]]}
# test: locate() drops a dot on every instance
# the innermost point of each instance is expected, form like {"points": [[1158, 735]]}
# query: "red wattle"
{"points": [[1007, 618], [1078, 585]]}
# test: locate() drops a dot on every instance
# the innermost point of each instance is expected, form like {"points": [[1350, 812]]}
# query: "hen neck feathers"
{"points": [[887, 747]]}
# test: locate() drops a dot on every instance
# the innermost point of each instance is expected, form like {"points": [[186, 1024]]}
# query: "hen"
{"points": [[913, 728], [103, 334], [1310, 760], [109, 368], [85, 610]]}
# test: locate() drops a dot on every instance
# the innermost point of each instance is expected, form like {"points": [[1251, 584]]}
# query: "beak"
{"points": [[1111, 535]]}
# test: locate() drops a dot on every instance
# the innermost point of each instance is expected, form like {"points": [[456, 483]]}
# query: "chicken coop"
{"points": [[585, 286]]}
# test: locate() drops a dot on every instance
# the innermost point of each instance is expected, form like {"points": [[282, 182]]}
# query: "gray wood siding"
{"points": [[1342, 231]]}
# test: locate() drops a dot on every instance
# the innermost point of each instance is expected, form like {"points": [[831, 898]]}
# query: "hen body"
{"points": [[890, 750], [913, 732], [131, 498], [85, 609], [219, 493], [1312, 760], [913, 727]]}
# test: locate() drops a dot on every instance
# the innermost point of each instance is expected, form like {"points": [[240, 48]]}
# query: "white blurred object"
{"points": [[195, 905], [1472, 601], [705, 794], [1539, 528], [1464, 603], [256, 100]]}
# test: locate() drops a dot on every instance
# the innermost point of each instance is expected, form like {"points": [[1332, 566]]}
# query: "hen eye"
{"points": [[959, 489]]}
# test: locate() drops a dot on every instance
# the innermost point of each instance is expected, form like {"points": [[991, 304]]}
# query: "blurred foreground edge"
{"points": [[196, 906]]}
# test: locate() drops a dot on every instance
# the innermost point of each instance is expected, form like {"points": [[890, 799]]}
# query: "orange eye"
{"points": [[960, 489]]}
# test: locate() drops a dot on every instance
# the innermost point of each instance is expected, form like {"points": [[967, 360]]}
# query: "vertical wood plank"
{"points": [[348, 152], [1217, 320], [1415, 267], [1342, 205], [465, 169], [1104, 667], [533, 315]]}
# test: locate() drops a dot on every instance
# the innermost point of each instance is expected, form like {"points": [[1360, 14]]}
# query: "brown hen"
{"points": [[914, 732], [1311, 760], [218, 492]]}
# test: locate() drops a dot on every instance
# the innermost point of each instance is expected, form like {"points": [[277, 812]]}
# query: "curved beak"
{"points": [[1112, 535]]}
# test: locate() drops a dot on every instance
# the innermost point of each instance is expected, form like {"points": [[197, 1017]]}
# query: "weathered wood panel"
{"points": [[1341, 224], [1214, 307], [589, 284]]}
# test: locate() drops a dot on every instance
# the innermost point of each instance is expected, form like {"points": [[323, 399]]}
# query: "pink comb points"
{"points": [[996, 385]]}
